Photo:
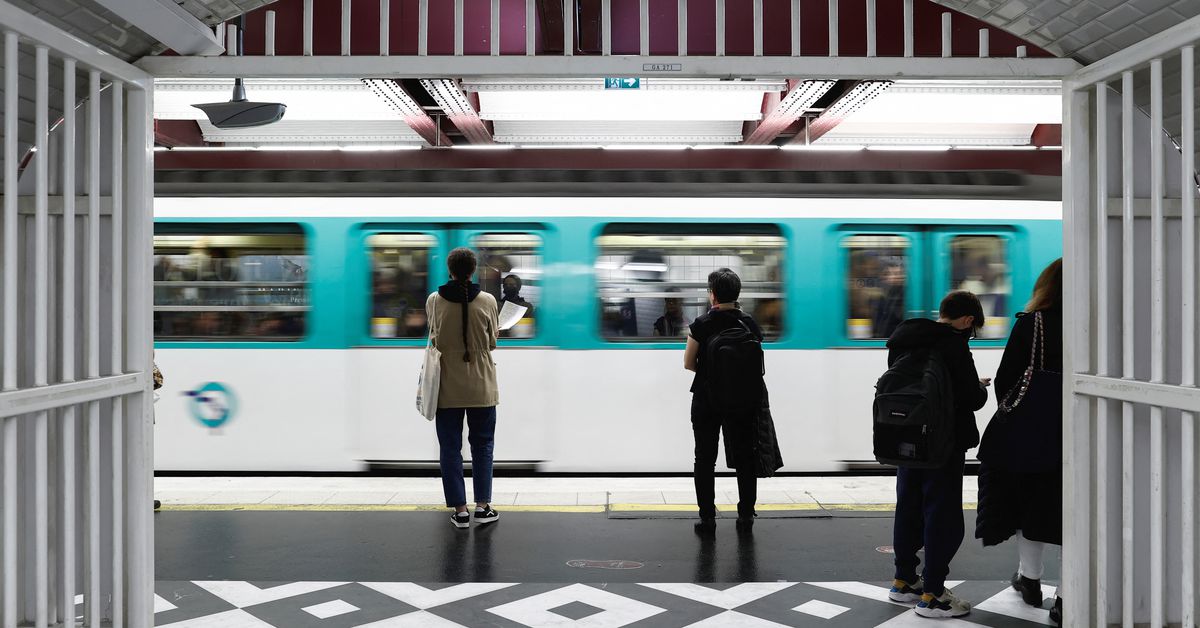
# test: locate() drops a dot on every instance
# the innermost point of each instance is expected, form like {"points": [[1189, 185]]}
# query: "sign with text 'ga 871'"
{"points": [[622, 83]]}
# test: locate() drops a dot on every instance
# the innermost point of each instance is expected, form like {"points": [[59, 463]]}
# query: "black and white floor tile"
{"points": [[230, 604]]}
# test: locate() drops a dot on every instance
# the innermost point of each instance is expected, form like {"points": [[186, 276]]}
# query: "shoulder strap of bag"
{"points": [[1037, 361], [429, 317]]}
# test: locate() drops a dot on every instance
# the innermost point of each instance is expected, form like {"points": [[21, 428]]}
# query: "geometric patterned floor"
{"points": [[214, 604]]}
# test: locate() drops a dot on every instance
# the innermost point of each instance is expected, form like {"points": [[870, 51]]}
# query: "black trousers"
{"points": [[929, 514], [706, 427]]}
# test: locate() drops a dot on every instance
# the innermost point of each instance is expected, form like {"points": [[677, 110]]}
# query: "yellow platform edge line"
{"points": [[360, 508]]}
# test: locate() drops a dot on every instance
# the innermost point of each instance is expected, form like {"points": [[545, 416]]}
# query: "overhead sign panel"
{"points": [[622, 83]]}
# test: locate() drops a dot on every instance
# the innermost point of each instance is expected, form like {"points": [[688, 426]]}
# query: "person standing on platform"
{"points": [[1020, 477], [929, 509], [463, 322]]}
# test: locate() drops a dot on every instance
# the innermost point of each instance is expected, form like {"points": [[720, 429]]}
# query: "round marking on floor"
{"points": [[581, 563]]}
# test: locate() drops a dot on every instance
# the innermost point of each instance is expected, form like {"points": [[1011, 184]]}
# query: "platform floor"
{"points": [[394, 568]]}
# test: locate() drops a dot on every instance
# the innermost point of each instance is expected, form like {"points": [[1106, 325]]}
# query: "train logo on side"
{"points": [[212, 404]]}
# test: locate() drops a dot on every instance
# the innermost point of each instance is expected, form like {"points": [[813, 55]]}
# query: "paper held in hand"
{"points": [[510, 314]]}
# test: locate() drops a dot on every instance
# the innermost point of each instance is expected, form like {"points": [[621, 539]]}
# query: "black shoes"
{"points": [[745, 524], [461, 520], [706, 526], [1056, 612], [1030, 590], [486, 515], [157, 504]]}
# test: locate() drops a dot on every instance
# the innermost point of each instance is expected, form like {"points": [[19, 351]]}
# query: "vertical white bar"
{"points": [[269, 44], [984, 46], [66, 587], [1127, 348], [8, 574], [795, 28], [231, 33], [1188, 337], [92, 356], [385, 27], [947, 35], [682, 17], [1077, 477], [530, 29], [220, 32], [308, 28], [833, 28], [644, 27], [606, 27], [423, 28], [872, 29], [139, 155], [459, 17], [1101, 472], [908, 28], [1022, 52], [720, 28], [117, 335], [1157, 338], [568, 28], [41, 306], [345, 28], [494, 33], [758, 28]]}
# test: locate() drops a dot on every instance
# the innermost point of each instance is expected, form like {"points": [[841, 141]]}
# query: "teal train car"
{"points": [[290, 330]]}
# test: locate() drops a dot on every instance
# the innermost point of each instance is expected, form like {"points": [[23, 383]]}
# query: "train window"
{"points": [[652, 286], [399, 283], [510, 268], [979, 263], [224, 286], [877, 284]]}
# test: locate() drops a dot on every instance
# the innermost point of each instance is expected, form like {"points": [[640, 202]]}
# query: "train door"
{"points": [[511, 268]]}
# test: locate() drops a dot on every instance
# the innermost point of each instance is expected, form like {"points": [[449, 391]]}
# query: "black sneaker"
{"points": [[1056, 612], [486, 515], [157, 504], [461, 520], [706, 526], [1030, 590], [745, 524]]}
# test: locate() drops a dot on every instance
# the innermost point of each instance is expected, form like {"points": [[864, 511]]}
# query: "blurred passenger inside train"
{"points": [[671, 324], [727, 396], [888, 308], [464, 327], [1020, 476], [929, 504]]}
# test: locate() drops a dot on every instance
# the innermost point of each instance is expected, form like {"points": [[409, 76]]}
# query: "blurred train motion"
{"points": [[290, 330]]}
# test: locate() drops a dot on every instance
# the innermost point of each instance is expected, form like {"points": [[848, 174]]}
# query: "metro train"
{"points": [[290, 330]]}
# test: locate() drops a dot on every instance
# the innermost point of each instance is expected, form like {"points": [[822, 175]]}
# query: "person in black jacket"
{"points": [[929, 510], [1027, 504], [724, 286]]}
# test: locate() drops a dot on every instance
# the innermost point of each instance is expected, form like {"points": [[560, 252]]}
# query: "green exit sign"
{"points": [[622, 83]]}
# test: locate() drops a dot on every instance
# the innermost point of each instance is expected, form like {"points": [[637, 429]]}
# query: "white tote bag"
{"points": [[429, 381]]}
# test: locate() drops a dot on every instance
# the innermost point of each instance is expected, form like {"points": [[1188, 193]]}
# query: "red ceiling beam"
{"points": [[407, 107], [781, 113], [462, 108], [1040, 162], [1046, 135], [176, 133], [854, 98]]}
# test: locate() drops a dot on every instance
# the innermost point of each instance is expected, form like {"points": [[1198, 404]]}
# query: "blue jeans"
{"points": [[929, 514], [481, 427]]}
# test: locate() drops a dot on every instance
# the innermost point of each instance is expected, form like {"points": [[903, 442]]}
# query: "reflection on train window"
{"points": [[980, 264], [399, 283], [510, 268], [877, 281], [652, 286], [243, 286]]}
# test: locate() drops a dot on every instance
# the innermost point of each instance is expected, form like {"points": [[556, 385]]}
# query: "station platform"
{"points": [[379, 552]]}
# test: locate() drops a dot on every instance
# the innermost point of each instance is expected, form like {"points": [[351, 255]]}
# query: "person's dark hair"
{"points": [[961, 303], [462, 263], [1047, 292], [725, 285]]}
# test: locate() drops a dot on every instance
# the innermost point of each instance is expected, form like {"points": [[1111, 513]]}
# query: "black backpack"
{"points": [[734, 369], [914, 412]]}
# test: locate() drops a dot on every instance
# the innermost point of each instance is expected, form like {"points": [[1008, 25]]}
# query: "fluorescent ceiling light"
{"points": [[994, 147], [904, 108], [736, 146], [647, 147], [561, 146], [908, 147], [483, 146], [645, 267], [622, 105], [823, 147], [367, 148]]}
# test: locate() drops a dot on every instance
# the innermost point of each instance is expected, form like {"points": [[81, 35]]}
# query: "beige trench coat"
{"points": [[466, 384]]}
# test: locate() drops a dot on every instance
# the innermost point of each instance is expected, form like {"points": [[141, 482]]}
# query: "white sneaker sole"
{"points": [[904, 598], [937, 613], [460, 526], [487, 520]]}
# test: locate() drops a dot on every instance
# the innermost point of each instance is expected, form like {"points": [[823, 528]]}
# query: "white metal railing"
{"points": [[42, 396], [1144, 396]]}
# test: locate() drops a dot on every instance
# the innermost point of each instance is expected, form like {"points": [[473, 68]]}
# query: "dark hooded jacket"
{"points": [[921, 333]]}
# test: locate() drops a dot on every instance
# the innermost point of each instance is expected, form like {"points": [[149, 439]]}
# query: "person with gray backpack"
{"points": [[924, 423]]}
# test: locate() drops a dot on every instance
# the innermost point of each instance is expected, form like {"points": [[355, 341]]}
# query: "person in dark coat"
{"points": [[1027, 505], [741, 435], [929, 509]]}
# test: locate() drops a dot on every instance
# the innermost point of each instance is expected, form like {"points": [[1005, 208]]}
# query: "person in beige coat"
{"points": [[463, 325]]}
